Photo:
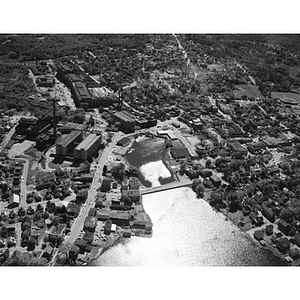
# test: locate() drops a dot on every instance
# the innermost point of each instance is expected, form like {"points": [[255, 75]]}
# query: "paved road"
{"points": [[78, 224], [23, 182]]}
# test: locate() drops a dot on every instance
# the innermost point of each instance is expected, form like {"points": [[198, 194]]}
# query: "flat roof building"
{"points": [[66, 144], [126, 120], [88, 147], [14, 201], [57, 231], [82, 95]]}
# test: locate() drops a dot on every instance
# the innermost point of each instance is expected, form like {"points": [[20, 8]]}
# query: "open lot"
{"points": [[19, 148], [283, 95]]}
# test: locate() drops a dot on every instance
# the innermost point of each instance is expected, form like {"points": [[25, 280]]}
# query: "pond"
{"points": [[148, 155]]}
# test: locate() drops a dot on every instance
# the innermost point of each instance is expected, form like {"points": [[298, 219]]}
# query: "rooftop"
{"points": [[82, 90], [69, 138], [88, 141], [125, 116], [58, 229]]}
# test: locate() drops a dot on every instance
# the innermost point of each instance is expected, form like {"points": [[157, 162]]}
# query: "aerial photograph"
{"points": [[149, 150]]}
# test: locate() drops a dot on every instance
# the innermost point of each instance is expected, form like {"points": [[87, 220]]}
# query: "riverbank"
{"points": [[248, 229], [186, 232], [149, 156], [102, 250]]}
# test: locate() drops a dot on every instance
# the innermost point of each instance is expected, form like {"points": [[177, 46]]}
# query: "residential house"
{"points": [[268, 213], [284, 227], [90, 224], [56, 232], [283, 244], [88, 236], [47, 253]]}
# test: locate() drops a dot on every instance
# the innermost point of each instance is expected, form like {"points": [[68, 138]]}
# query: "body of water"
{"points": [[187, 232], [148, 155]]}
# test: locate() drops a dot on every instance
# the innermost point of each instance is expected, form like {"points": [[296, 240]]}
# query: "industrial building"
{"points": [[126, 120], [70, 126], [102, 96], [45, 81], [88, 147], [81, 95], [67, 144]]}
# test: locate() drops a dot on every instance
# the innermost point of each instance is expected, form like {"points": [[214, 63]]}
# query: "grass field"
{"points": [[283, 95], [248, 90]]}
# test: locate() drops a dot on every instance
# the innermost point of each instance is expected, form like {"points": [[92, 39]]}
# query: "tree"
{"points": [[55, 220], [118, 172], [183, 166], [133, 172], [62, 257], [19, 259], [198, 187], [3, 231], [286, 215], [39, 208], [199, 190], [215, 198], [208, 164], [91, 121], [31, 244], [46, 215], [62, 209]]}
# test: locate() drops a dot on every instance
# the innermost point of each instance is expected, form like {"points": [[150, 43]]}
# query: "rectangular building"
{"points": [[67, 144], [88, 147], [82, 95], [126, 120]]}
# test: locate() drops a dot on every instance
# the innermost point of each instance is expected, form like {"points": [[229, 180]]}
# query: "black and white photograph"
{"points": [[124, 148]]}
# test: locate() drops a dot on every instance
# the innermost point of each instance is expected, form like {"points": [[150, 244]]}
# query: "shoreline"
{"points": [[103, 249], [270, 249]]}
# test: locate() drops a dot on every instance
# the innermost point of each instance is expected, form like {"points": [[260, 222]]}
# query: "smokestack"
{"points": [[54, 118]]}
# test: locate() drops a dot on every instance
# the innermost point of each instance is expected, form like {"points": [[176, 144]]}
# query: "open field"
{"points": [[20, 148], [284, 95], [248, 90]]}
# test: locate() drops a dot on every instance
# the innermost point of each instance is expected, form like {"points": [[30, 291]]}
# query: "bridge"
{"points": [[165, 187]]}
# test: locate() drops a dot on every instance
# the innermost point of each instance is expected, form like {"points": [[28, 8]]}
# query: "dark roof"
{"points": [[134, 184], [92, 212], [80, 242], [88, 235], [73, 207], [90, 222], [124, 141], [124, 116], [82, 193], [180, 152]]}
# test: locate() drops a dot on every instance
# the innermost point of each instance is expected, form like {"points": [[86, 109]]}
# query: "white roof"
{"points": [[14, 198], [113, 227]]}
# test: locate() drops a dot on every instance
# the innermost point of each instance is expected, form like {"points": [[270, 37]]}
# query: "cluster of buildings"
{"points": [[11, 174], [38, 130], [117, 209], [129, 121], [84, 97], [76, 146]]}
